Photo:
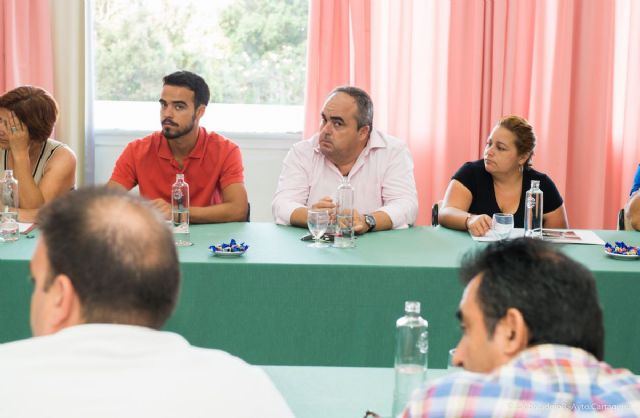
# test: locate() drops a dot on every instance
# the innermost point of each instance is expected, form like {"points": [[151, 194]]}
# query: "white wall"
{"points": [[262, 155]]}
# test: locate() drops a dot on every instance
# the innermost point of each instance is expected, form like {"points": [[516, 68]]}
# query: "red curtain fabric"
{"points": [[442, 73], [26, 51]]}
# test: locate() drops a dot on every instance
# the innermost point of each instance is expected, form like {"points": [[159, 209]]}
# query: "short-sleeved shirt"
{"points": [[636, 182], [479, 181], [214, 163]]}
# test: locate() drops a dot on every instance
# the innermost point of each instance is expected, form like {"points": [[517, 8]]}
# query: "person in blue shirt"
{"points": [[632, 208], [636, 181]]}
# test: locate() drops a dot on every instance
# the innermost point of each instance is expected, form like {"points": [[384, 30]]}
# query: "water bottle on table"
{"points": [[180, 211], [412, 346], [9, 229], [344, 234], [533, 211]]}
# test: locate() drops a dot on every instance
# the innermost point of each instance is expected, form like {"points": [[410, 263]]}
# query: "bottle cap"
{"points": [[535, 184], [180, 176], [412, 307]]}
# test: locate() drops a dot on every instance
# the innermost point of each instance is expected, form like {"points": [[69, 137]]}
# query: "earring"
{"points": [[520, 168]]}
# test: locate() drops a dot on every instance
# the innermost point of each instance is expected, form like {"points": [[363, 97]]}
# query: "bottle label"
{"points": [[531, 202]]}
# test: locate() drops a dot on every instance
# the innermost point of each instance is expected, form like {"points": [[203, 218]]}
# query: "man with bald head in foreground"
{"points": [[106, 278]]}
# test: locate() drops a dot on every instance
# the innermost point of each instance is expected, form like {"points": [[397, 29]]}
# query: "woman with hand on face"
{"points": [[44, 168], [498, 183]]}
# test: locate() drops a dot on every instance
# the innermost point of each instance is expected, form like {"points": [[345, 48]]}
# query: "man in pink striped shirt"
{"points": [[378, 166]]}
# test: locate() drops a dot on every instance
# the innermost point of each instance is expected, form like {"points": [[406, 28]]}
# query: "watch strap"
{"points": [[370, 221]]}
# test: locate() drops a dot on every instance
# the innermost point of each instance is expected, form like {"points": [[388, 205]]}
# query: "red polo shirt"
{"points": [[214, 163]]}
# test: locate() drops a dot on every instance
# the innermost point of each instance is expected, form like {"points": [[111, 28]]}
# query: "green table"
{"points": [[337, 392], [283, 303]]}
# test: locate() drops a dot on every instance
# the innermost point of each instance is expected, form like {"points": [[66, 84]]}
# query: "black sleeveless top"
{"points": [[480, 183]]}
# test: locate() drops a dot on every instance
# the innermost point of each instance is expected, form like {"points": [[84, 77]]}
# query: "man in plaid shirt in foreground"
{"points": [[532, 343]]}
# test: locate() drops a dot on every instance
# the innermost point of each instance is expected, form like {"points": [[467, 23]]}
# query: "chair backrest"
{"points": [[434, 213], [248, 212], [621, 220]]}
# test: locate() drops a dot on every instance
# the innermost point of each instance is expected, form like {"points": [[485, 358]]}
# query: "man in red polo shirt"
{"points": [[211, 163]]}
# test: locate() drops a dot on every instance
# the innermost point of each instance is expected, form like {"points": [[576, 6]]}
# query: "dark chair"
{"points": [[621, 220], [248, 212], [434, 213]]}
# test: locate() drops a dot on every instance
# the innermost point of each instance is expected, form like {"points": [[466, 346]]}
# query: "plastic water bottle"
{"points": [[10, 195], [412, 346], [180, 211], [533, 211], [9, 229], [344, 234]]}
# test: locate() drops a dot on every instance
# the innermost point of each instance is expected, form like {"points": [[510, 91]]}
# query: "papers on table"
{"points": [[561, 236], [490, 236], [572, 236], [25, 228]]}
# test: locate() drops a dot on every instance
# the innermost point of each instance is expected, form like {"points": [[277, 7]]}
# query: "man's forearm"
{"points": [[223, 212], [299, 217]]}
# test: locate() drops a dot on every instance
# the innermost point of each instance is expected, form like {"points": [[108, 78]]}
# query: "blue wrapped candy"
{"points": [[619, 247], [231, 247]]}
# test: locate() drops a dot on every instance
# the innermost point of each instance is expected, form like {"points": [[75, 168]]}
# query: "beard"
{"points": [[166, 130]]}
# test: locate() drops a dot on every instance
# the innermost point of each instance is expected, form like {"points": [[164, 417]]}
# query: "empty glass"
{"points": [[317, 221], [502, 225]]}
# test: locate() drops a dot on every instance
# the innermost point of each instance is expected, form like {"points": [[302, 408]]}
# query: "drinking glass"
{"points": [[317, 221], [502, 225]]}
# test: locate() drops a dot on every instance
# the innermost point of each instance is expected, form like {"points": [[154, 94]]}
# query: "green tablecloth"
{"points": [[283, 303], [337, 392]]}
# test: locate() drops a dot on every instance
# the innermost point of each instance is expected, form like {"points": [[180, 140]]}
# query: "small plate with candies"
{"points": [[622, 251], [231, 249]]}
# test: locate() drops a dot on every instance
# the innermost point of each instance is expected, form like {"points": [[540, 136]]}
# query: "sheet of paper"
{"points": [[561, 236], [572, 236], [489, 236], [25, 227]]}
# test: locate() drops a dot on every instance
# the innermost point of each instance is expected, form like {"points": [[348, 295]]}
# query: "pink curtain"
{"points": [[26, 52], [338, 52], [623, 152], [442, 73]]}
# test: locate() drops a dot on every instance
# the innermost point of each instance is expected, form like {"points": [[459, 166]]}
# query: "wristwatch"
{"points": [[370, 221]]}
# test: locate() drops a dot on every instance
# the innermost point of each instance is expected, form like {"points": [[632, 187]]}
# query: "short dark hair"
{"points": [[35, 107], [118, 252], [193, 82], [556, 295], [364, 117]]}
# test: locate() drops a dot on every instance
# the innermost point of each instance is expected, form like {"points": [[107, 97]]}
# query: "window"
{"points": [[252, 53]]}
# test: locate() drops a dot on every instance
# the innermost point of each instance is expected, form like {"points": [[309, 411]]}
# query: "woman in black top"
{"points": [[498, 183]]}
